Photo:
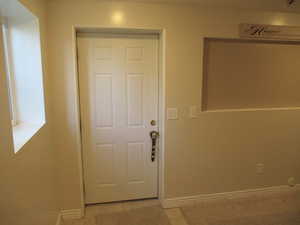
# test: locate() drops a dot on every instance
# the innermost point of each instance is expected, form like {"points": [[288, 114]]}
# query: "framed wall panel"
{"points": [[250, 74]]}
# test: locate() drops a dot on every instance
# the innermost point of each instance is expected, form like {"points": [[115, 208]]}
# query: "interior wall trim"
{"points": [[59, 218], [190, 200], [72, 214]]}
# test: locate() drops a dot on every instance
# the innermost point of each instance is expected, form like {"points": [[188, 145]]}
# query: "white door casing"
{"points": [[118, 83]]}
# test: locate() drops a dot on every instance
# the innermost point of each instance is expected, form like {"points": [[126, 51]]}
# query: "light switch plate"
{"points": [[193, 111], [172, 114]]}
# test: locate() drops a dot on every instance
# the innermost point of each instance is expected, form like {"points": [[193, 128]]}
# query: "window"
{"points": [[21, 40], [10, 79]]}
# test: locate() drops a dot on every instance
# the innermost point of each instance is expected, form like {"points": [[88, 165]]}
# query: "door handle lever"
{"points": [[154, 136]]}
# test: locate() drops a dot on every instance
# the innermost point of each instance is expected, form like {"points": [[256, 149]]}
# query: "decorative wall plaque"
{"points": [[260, 31]]}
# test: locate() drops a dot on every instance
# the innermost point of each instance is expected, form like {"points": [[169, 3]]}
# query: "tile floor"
{"points": [[145, 212], [261, 210]]}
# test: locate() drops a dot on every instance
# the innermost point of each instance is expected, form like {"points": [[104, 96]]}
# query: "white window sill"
{"points": [[23, 132]]}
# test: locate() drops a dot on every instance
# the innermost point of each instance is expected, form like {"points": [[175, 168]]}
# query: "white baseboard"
{"points": [[181, 201], [72, 214], [58, 221]]}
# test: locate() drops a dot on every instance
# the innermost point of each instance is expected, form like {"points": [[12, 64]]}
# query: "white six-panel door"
{"points": [[118, 83]]}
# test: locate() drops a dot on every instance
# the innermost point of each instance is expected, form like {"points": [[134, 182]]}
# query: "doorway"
{"points": [[119, 108]]}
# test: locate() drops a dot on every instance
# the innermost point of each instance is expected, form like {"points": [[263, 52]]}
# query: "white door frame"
{"points": [[162, 95]]}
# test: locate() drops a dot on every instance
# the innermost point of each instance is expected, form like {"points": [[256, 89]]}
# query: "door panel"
{"points": [[135, 100], [104, 101], [118, 83]]}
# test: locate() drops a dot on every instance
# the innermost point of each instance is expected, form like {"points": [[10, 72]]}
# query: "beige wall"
{"points": [[216, 152], [28, 179], [250, 74]]}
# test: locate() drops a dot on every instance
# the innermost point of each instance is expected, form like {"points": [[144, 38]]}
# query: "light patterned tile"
{"points": [[175, 216], [140, 204], [73, 222], [173, 213], [94, 210], [114, 218], [263, 210]]}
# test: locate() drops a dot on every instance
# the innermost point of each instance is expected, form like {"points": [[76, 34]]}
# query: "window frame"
{"points": [[9, 73]]}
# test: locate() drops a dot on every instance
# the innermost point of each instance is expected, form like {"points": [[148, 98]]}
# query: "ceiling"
{"points": [[273, 5], [13, 7]]}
